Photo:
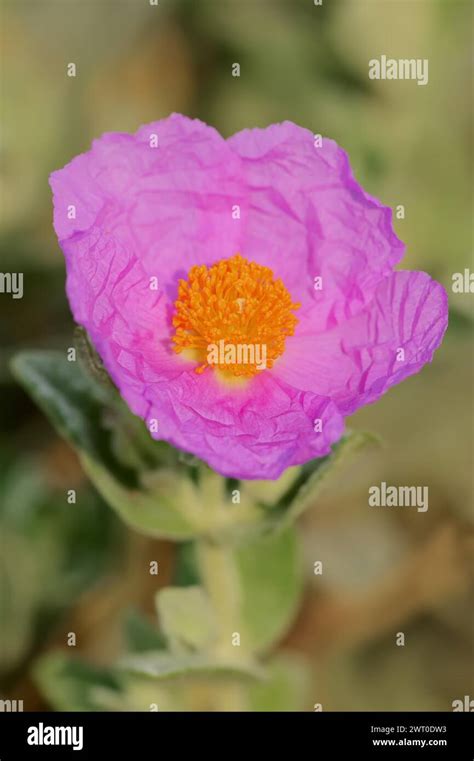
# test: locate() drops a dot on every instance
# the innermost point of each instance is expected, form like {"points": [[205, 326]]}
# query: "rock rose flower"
{"points": [[241, 293]]}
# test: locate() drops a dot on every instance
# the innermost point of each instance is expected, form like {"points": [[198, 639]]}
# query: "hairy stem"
{"points": [[221, 580], [220, 577]]}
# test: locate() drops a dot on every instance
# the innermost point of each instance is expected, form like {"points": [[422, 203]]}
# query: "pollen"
{"points": [[233, 316]]}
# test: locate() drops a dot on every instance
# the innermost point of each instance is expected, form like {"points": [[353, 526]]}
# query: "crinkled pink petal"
{"points": [[357, 361], [260, 429], [128, 213], [170, 205], [308, 218]]}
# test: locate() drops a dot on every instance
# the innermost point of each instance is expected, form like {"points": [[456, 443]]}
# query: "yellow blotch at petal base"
{"points": [[233, 316]]}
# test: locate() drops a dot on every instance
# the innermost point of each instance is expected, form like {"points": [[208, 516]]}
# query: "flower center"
{"points": [[234, 316]]}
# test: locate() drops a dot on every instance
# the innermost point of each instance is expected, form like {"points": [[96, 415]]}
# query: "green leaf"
{"points": [[266, 575], [89, 416], [271, 582], [186, 618], [154, 512], [68, 683], [74, 403], [161, 665]]}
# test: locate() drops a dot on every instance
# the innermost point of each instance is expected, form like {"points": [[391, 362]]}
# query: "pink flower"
{"points": [[313, 288]]}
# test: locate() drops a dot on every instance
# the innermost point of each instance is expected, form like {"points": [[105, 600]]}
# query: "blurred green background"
{"points": [[66, 567]]}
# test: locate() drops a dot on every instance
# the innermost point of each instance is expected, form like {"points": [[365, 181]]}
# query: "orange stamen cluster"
{"points": [[236, 302]]}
